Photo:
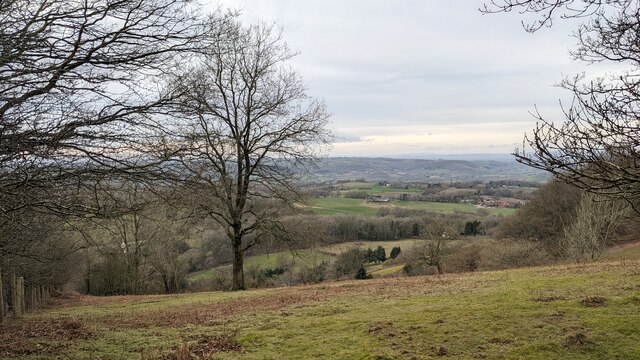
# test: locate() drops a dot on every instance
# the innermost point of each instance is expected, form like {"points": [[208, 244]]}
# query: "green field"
{"points": [[298, 257], [342, 206], [387, 245], [584, 311], [345, 206], [377, 189], [304, 257]]}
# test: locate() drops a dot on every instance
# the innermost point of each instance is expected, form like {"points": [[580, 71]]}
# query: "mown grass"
{"points": [[533, 313], [346, 206]]}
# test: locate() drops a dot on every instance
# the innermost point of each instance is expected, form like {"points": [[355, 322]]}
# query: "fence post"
{"points": [[15, 298], [2, 313], [23, 308]]}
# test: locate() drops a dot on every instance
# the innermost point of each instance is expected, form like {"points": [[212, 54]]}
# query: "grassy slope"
{"points": [[524, 313], [335, 206], [306, 257], [303, 257], [387, 245]]}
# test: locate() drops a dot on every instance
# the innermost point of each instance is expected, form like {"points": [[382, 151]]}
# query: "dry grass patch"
{"points": [[40, 335]]}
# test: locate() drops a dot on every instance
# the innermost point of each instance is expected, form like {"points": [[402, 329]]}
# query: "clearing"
{"points": [[587, 311]]}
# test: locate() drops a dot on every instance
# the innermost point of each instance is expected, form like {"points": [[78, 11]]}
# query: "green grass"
{"points": [[342, 206], [272, 260], [345, 206], [377, 189], [533, 313], [624, 252], [451, 207], [387, 245], [391, 270]]}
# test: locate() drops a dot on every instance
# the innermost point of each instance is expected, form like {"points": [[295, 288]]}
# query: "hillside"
{"points": [[587, 311], [423, 170]]}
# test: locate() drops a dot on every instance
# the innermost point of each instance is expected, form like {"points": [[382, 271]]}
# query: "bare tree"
{"points": [[80, 101], [78, 89], [595, 223], [597, 146], [436, 243], [250, 131]]}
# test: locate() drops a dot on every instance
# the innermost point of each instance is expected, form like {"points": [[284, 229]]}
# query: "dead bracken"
{"points": [[16, 335], [205, 347], [593, 301], [578, 339], [546, 298]]}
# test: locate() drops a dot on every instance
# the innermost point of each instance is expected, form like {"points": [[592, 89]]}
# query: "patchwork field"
{"points": [[586, 311], [345, 206]]}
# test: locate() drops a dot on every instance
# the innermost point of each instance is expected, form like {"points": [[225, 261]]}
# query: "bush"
{"points": [[312, 274], [395, 252], [349, 262], [221, 281], [273, 272], [362, 274], [465, 258], [481, 254]]}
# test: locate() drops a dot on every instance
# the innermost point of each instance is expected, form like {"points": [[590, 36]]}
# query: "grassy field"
{"points": [[302, 257], [585, 311], [377, 189], [337, 206], [387, 245]]}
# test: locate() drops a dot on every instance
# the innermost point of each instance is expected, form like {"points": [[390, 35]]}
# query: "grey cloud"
{"points": [[381, 63]]}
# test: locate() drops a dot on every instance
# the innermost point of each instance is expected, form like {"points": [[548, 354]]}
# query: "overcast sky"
{"points": [[421, 76]]}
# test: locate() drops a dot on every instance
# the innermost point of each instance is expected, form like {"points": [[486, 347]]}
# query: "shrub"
{"points": [[362, 274], [349, 262]]}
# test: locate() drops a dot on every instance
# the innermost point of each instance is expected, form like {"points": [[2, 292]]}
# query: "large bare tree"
{"points": [[78, 88], [79, 99], [597, 145], [248, 132]]}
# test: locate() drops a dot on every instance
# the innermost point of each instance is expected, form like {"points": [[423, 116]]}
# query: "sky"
{"points": [[407, 78]]}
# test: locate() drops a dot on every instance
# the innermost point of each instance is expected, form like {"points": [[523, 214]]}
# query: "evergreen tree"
{"points": [[362, 274], [472, 228], [381, 254]]}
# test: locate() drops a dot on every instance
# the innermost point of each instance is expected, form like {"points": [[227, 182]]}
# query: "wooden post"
{"points": [[21, 293], [2, 313], [15, 298], [34, 303]]}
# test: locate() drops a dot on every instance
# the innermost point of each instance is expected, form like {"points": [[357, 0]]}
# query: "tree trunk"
{"points": [[238, 259], [1, 299], [439, 267]]}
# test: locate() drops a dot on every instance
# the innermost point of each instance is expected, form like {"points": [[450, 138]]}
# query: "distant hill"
{"points": [[424, 170]]}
